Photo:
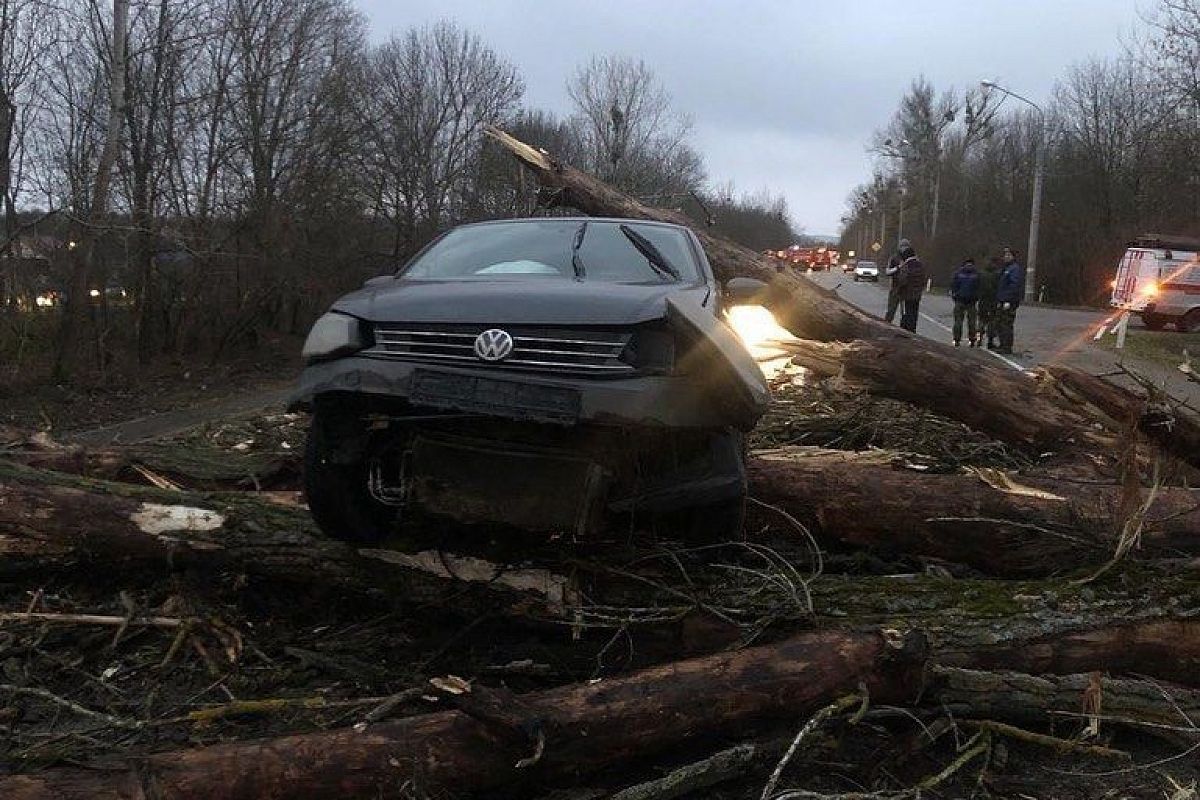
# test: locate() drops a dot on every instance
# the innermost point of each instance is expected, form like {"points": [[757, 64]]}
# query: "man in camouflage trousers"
{"points": [[1009, 295]]}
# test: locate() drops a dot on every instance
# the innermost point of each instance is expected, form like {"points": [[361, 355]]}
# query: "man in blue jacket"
{"points": [[1009, 295], [964, 291]]}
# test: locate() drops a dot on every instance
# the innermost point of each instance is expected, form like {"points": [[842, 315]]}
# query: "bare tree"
{"points": [[27, 29], [629, 131], [433, 91], [87, 230]]}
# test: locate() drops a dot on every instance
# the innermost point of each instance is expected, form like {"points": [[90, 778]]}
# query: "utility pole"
{"points": [[1035, 210]]}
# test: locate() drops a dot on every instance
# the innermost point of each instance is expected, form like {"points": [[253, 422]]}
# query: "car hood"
{"points": [[513, 302]]}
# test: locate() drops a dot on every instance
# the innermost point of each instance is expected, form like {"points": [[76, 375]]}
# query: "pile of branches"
{"points": [[945, 586]]}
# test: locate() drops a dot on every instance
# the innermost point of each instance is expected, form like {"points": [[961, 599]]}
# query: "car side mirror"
{"points": [[744, 291], [379, 280]]}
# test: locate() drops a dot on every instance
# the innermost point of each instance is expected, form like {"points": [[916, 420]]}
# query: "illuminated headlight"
{"points": [[1150, 290], [756, 326], [333, 335]]}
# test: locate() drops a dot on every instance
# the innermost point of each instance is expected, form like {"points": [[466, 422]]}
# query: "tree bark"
{"points": [[1013, 406], [1172, 427], [48, 524], [584, 726], [1023, 698], [1000, 524]]}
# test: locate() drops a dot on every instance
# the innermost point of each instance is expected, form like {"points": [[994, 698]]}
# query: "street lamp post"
{"points": [[1039, 171]]}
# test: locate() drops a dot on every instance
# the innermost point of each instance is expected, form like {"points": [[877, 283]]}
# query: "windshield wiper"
{"points": [[657, 260], [576, 261]]}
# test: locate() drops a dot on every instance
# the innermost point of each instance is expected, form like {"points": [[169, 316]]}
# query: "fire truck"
{"points": [[1158, 278], [814, 258]]}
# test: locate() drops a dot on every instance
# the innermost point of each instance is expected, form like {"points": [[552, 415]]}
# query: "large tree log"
{"points": [[1168, 423], [585, 727], [51, 522], [1012, 406], [1040, 699], [1016, 409], [997, 523]]}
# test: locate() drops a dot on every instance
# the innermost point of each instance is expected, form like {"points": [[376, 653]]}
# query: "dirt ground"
{"points": [[264, 658], [30, 399]]}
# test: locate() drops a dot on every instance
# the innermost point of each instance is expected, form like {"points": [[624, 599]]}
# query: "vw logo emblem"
{"points": [[493, 345]]}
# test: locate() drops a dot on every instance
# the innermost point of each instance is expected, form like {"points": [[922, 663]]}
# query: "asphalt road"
{"points": [[1043, 334]]}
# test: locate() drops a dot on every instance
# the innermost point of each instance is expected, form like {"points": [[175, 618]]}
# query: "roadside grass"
{"points": [[1162, 347]]}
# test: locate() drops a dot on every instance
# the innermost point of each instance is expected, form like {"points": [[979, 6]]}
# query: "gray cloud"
{"points": [[786, 94]]}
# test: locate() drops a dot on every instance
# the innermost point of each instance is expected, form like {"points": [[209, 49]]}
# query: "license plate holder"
{"points": [[495, 397]]}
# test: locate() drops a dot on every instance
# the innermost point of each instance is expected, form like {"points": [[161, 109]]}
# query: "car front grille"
{"points": [[562, 350]]}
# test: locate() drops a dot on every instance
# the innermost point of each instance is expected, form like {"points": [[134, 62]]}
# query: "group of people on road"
{"points": [[986, 299]]}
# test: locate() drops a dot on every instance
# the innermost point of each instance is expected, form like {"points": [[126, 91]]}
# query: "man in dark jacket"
{"points": [[1009, 295], [910, 276], [989, 282], [964, 291], [892, 271]]}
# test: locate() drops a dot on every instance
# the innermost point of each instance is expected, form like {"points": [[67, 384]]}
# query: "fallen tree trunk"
{"points": [[1147, 706], [584, 727], [54, 523], [1014, 407], [994, 522], [149, 464], [50, 522], [1172, 427]]}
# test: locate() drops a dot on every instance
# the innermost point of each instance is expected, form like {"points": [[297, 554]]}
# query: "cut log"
{"points": [[1162, 648], [586, 727], [1012, 406], [1017, 409], [196, 469], [1172, 426], [1000, 524], [54, 522], [1068, 700]]}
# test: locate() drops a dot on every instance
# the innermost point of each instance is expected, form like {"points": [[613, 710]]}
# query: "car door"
{"points": [[728, 374]]}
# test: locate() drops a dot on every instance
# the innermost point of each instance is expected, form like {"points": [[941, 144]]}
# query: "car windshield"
{"points": [[866, 264], [543, 250]]}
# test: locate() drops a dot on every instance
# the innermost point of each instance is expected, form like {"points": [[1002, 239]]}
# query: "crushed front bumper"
{"points": [[673, 401]]}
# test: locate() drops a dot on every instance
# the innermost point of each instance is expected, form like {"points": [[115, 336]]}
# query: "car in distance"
{"points": [[866, 271], [550, 374]]}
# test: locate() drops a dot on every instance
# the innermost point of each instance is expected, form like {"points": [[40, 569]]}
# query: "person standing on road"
{"points": [[989, 283], [911, 277], [1009, 294], [893, 300], [964, 291]]}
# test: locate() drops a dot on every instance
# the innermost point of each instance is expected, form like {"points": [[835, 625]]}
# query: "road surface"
{"points": [[1043, 334]]}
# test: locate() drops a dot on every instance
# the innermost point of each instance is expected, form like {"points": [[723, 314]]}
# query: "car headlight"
{"points": [[331, 336]]}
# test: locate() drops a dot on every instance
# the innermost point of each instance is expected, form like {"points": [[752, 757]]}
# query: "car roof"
{"points": [[622, 220]]}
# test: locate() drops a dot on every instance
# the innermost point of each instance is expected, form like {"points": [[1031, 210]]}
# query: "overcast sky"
{"points": [[785, 95]]}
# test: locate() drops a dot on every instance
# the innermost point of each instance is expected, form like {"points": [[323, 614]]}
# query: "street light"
{"points": [[1039, 170], [900, 192]]}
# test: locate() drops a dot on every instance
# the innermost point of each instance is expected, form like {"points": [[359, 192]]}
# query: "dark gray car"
{"points": [[553, 374]]}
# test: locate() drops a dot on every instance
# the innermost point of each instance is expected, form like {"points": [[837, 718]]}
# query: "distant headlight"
{"points": [[333, 335]]}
